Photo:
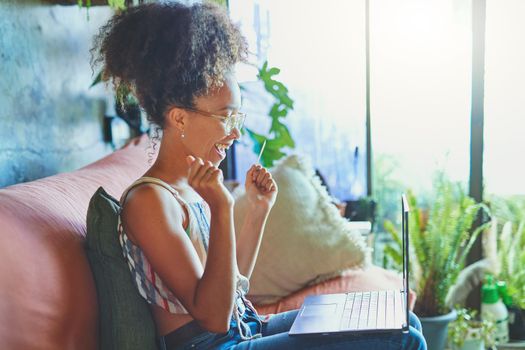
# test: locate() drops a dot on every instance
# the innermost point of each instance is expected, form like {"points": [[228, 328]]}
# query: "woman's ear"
{"points": [[176, 118]]}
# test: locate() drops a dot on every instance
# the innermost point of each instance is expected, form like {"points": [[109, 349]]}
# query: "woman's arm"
{"points": [[261, 191], [249, 239], [215, 292], [153, 220]]}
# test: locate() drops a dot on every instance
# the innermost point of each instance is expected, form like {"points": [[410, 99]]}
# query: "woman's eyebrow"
{"points": [[229, 107]]}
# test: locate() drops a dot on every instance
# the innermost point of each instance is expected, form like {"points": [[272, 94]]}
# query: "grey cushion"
{"points": [[126, 322]]}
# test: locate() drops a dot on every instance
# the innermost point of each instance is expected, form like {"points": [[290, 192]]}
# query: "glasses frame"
{"points": [[234, 120]]}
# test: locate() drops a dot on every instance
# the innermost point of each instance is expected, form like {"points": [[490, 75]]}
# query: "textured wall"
{"points": [[50, 121]]}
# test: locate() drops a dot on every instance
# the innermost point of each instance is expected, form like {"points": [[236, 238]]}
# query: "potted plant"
{"points": [[505, 249], [440, 239], [467, 333]]}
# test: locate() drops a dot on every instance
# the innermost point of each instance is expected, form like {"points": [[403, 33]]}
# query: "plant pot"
{"points": [[435, 329], [516, 323]]}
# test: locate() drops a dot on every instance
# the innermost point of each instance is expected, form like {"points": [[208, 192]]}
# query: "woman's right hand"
{"points": [[207, 180]]}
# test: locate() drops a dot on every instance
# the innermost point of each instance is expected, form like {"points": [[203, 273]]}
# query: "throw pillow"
{"points": [[126, 322], [306, 240]]}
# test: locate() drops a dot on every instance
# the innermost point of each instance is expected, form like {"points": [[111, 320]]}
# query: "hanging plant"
{"points": [[127, 106]]}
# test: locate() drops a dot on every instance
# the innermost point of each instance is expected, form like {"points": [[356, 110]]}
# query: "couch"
{"points": [[48, 298]]}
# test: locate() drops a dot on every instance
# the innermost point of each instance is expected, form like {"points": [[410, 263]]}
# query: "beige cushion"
{"points": [[306, 240]]}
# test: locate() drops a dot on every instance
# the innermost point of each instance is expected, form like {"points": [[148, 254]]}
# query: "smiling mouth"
{"points": [[222, 148]]}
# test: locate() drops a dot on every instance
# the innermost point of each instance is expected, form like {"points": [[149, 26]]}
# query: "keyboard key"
{"points": [[381, 306], [390, 310], [356, 309], [365, 308], [372, 314]]}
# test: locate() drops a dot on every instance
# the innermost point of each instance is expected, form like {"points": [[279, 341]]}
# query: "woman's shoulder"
{"points": [[149, 209], [150, 201], [144, 193]]}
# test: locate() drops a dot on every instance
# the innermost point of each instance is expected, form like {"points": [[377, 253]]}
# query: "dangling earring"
{"points": [[182, 134]]}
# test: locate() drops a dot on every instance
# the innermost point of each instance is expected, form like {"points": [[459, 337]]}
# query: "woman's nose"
{"points": [[236, 133]]}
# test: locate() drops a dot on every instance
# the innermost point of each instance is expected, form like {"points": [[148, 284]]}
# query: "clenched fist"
{"points": [[261, 189], [207, 180]]}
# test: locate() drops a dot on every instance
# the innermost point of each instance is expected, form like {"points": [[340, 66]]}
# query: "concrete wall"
{"points": [[50, 121]]}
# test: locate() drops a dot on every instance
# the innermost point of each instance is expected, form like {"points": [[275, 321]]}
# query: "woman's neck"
{"points": [[170, 165]]}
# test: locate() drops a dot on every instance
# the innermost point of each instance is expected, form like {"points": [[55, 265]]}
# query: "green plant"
{"points": [[278, 136], [440, 240], [116, 4], [504, 245], [224, 3], [386, 187], [467, 327], [511, 208], [126, 106], [511, 259]]}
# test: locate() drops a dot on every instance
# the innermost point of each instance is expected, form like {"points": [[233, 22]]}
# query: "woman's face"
{"points": [[207, 137]]}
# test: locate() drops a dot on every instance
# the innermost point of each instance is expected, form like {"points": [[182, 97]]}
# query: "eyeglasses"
{"points": [[231, 121]]}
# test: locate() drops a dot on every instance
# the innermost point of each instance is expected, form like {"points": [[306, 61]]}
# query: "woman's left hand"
{"points": [[261, 189]]}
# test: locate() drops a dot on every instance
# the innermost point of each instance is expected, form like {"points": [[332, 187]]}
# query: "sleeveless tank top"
{"points": [[149, 284]]}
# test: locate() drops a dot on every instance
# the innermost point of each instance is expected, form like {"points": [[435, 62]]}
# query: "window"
{"points": [[420, 96], [321, 53], [504, 170]]}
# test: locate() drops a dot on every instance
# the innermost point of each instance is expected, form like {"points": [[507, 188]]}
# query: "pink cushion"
{"points": [[47, 293], [373, 278]]}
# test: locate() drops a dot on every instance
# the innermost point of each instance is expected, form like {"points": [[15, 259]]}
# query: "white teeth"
{"points": [[222, 146]]}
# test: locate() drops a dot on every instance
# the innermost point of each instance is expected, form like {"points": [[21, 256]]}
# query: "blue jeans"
{"points": [[275, 336]]}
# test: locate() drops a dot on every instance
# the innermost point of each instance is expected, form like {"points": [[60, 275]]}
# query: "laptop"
{"points": [[358, 312]]}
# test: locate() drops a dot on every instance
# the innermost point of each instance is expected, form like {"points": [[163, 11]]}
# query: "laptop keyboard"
{"points": [[372, 310]]}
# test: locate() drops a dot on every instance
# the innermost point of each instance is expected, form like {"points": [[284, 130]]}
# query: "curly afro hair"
{"points": [[168, 54]]}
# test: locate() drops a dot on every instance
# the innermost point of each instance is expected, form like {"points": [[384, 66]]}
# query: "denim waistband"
{"points": [[181, 335], [247, 326]]}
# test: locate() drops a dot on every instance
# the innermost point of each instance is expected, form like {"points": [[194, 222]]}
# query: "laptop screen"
{"points": [[405, 209]]}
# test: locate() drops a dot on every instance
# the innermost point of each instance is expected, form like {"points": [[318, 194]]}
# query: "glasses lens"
{"points": [[239, 120], [235, 120]]}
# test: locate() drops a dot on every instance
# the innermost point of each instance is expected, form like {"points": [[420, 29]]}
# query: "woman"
{"points": [[177, 220]]}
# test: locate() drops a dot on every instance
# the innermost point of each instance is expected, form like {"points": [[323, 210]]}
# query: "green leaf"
{"points": [[395, 256], [278, 111], [263, 68], [283, 136], [279, 136], [98, 78], [273, 71], [270, 156], [220, 2], [389, 227], [257, 138], [117, 4]]}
